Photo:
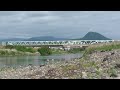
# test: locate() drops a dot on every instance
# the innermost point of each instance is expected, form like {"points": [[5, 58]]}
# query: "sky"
{"points": [[62, 24]]}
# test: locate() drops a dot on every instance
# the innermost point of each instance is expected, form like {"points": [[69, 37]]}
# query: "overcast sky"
{"points": [[67, 24]]}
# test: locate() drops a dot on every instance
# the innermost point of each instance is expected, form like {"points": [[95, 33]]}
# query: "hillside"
{"points": [[88, 36], [94, 36], [13, 39], [45, 38]]}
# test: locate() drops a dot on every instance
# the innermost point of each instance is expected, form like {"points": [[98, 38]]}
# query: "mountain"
{"points": [[88, 36], [45, 38], [13, 39], [94, 36]]}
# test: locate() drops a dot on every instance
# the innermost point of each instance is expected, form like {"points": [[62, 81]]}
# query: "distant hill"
{"points": [[13, 39], [88, 36], [45, 38], [94, 36]]}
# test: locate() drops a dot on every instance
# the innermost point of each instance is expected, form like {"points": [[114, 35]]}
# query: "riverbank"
{"points": [[17, 51], [13, 52], [94, 68], [71, 51], [98, 64], [44, 51]]}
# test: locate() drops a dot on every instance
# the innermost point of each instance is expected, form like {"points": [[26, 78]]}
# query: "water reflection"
{"points": [[34, 60]]}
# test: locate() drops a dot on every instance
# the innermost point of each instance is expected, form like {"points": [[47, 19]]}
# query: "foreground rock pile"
{"points": [[98, 65]]}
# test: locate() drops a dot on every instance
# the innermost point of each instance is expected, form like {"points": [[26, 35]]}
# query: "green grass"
{"points": [[110, 47], [21, 48]]}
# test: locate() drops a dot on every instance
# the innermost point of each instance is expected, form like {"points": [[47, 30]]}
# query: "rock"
{"points": [[84, 75], [113, 75], [92, 70], [112, 53], [42, 65], [103, 77], [102, 51], [117, 66], [105, 59], [30, 65]]}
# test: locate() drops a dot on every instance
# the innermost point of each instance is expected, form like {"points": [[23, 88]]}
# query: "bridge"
{"points": [[58, 44], [65, 42]]}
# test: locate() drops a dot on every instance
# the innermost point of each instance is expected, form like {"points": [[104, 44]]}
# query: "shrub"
{"points": [[45, 50], [2, 52], [30, 50], [112, 72], [12, 53], [20, 48], [9, 47]]}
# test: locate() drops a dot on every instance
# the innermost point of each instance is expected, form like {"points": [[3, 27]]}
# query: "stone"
{"points": [[112, 53], [42, 65], [84, 75], [105, 59], [117, 66], [102, 51]]}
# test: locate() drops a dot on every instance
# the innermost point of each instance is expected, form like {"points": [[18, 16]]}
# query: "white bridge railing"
{"points": [[67, 42]]}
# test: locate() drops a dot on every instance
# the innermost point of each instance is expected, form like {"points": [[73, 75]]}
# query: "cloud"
{"points": [[70, 24]]}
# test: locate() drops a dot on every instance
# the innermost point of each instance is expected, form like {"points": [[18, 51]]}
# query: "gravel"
{"points": [[94, 68]]}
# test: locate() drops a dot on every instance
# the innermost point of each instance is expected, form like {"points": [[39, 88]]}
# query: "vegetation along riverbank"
{"points": [[99, 62], [10, 50]]}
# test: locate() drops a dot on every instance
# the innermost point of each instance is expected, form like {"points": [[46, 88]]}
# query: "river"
{"points": [[17, 61]]}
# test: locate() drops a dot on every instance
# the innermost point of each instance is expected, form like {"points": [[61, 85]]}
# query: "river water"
{"points": [[17, 61]]}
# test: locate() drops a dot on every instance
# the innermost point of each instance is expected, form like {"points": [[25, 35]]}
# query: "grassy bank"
{"points": [[21, 48], [71, 51], [58, 51], [17, 51], [10, 50], [102, 48], [76, 50]]}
